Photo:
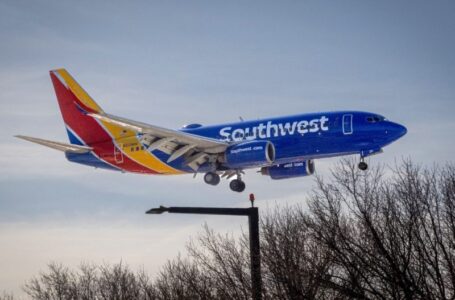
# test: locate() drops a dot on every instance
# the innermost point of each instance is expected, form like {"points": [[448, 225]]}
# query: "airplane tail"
{"points": [[75, 103]]}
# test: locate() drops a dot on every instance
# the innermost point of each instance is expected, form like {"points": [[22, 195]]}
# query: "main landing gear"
{"points": [[362, 164], [237, 185], [212, 178]]}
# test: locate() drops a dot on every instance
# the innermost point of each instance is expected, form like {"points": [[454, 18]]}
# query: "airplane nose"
{"points": [[402, 130], [397, 130]]}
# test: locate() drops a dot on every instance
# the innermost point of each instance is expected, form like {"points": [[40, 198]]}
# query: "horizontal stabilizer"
{"points": [[57, 145]]}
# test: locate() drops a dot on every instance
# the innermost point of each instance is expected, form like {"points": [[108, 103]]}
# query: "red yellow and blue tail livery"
{"points": [[283, 147]]}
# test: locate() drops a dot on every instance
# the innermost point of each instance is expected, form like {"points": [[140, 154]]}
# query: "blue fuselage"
{"points": [[312, 136], [295, 138]]}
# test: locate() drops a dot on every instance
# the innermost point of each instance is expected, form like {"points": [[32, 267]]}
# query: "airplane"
{"points": [[280, 147]]}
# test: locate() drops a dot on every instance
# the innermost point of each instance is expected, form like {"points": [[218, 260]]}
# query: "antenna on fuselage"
{"points": [[241, 119]]}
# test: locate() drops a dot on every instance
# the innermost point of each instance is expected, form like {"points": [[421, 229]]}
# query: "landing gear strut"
{"points": [[212, 178], [362, 164]]}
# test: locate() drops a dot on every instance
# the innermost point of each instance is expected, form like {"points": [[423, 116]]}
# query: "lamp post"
{"points": [[253, 224]]}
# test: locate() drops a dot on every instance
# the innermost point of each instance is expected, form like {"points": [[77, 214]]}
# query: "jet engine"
{"points": [[290, 170], [250, 154]]}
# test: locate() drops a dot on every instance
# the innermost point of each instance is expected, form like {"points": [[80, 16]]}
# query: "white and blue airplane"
{"points": [[281, 147]]}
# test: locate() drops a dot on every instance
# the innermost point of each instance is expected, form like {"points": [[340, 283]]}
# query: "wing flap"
{"points": [[57, 145], [202, 144]]}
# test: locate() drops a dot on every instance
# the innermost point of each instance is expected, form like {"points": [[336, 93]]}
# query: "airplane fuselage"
{"points": [[295, 138]]}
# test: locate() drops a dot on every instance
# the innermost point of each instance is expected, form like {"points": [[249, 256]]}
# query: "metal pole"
{"points": [[255, 254], [253, 222]]}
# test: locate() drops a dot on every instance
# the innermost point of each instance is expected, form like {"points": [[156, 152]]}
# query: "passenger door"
{"points": [[118, 154], [347, 124]]}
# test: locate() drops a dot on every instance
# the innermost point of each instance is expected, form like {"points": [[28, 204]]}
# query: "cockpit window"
{"points": [[374, 119]]}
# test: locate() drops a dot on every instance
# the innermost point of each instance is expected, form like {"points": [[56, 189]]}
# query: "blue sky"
{"points": [[172, 63]]}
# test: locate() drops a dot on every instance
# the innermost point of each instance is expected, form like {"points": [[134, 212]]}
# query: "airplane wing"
{"points": [[57, 145], [157, 136]]}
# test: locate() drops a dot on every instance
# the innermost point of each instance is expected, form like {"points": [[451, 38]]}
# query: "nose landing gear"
{"points": [[362, 164]]}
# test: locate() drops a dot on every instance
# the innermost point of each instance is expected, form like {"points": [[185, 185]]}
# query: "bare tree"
{"points": [[294, 264], [365, 235], [59, 283], [182, 279], [6, 296], [389, 237], [91, 282], [225, 262]]}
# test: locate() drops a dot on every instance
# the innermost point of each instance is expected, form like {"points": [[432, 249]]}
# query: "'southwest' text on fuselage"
{"points": [[263, 131]]}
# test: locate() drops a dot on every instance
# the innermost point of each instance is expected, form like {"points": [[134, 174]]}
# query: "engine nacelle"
{"points": [[191, 126], [250, 154], [290, 170]]}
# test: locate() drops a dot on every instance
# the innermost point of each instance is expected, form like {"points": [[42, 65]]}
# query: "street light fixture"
{"points": [[253, 222], [157, 211]]}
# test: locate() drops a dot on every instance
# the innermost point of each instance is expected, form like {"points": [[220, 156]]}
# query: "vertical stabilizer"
{"points": [[75, 103]]}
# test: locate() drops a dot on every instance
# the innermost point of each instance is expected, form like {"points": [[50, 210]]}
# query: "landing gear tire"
{"points": [[363, 165], [237, 185], [212, 178]]}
